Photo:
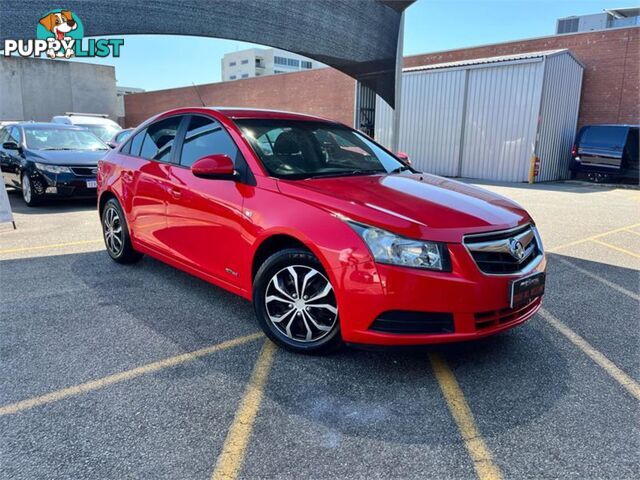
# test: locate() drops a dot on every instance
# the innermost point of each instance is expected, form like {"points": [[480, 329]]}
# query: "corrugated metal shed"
{"points": [[485, 118]]}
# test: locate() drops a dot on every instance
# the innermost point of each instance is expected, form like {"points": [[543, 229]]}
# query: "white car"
{"points": [[100, 125]]}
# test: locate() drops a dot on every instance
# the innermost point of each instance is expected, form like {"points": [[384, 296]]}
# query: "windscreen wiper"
{"points": [[399, 169], [348, 173]]}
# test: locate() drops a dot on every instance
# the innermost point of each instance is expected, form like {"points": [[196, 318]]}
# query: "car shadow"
{"points": [[51, 205]]}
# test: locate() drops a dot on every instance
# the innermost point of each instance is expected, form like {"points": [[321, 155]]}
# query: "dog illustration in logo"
{"points": [[60, 24]]}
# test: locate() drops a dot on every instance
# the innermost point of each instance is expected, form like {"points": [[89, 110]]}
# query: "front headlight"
{"points": [[388, 247], [52, 168]]}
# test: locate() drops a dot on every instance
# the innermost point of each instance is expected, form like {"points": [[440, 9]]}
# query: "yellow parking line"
{"points": [[620, 249], [45, 247], [606, 282], [633, 231], [230, 460], [122, 376], [593, 237], [622, 378], [483, 463]]}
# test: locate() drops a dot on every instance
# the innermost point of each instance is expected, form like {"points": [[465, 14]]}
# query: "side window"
{"points": [[126, 148], [15, 135], [122, 136], [159, 139], [4, 134], [136, 143], [206, 137]]}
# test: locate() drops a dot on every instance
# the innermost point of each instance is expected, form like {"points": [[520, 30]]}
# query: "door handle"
{"points": [[175, 193], [127, 176]]}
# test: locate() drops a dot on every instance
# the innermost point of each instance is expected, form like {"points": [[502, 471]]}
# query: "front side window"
{"points": [[159, 139], [4, 135], [122, 136], [14, 135], [205, 137], [52, 138], [305, 149]]}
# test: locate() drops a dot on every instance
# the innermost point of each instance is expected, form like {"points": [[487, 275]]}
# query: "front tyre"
{"points": [[29, 195], [295, 303], [116, 234]]}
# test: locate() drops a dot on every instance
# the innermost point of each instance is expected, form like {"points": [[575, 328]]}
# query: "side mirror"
{"points": [[218, 166], [112, 144], [10, 146], [404, 157]]}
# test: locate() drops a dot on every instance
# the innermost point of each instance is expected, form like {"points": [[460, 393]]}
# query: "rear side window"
{"points": [[205, 137], [136, 143], [609, 136], [4, 134], [159, 139]]}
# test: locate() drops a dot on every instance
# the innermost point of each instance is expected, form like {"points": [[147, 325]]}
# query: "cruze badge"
{"points": [[516, 249]]}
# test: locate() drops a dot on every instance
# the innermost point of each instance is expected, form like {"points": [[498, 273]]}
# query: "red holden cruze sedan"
{"points": [[332, 237]]}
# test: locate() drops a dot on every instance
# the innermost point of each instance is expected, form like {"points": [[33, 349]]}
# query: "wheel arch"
{"points": [[274, 243]]}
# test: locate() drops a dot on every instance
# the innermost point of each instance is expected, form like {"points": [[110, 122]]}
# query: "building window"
{"points": [[279, 60], [292, 62], [305, 64], [232, 64], [279, 71], [232, 77], [245, 75], [244, 62]]}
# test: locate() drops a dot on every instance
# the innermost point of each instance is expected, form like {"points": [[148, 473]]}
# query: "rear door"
{"points": [[602, 146], [206, 227], [146, 174]]}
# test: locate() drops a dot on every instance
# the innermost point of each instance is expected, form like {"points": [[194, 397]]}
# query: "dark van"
{"points": [[606, 153]]}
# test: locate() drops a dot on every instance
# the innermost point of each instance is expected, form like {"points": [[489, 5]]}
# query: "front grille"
{"points": [[495, 318], [407, 322], [85, 171], [506, 252]]}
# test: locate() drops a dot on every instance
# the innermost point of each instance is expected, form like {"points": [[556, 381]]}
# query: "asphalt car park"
{"points": [[142, 371]]}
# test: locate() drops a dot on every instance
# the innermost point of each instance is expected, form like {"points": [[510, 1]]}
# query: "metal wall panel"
{"points": [[503, 103], [430, 126], [558, 116], [487, 119]]}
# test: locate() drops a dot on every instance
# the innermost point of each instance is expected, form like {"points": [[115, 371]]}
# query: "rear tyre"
{"points": [[116, 234], [295, 303], [29, 195]]}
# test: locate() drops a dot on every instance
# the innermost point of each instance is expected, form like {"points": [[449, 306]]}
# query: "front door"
{"points": [[205, 219]]}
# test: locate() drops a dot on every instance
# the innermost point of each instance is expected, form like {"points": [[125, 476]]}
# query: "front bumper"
{"points": [[63, 184], [476, 303]]}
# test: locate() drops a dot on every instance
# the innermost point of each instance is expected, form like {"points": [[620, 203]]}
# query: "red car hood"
{"points": [[415, 205]]}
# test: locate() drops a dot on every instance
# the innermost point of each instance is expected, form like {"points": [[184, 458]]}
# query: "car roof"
{"points": [[235, 113], [47, 125], [625, 125]]}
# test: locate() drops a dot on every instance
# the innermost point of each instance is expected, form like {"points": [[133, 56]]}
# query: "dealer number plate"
{"points": [[92, 184], [524, 290]]}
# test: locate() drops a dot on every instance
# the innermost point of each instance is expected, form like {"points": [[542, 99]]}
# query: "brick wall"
{"points": [[611, 82], [324, 92], [610, 90]]}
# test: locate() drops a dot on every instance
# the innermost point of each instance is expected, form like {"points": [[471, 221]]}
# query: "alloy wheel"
{"points": [[113, 234], [26, 188], [301, 304]]}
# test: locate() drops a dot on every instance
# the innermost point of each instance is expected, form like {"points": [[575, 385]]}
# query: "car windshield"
{"points": [[51, 138], [103, 132], [306, 149]]}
